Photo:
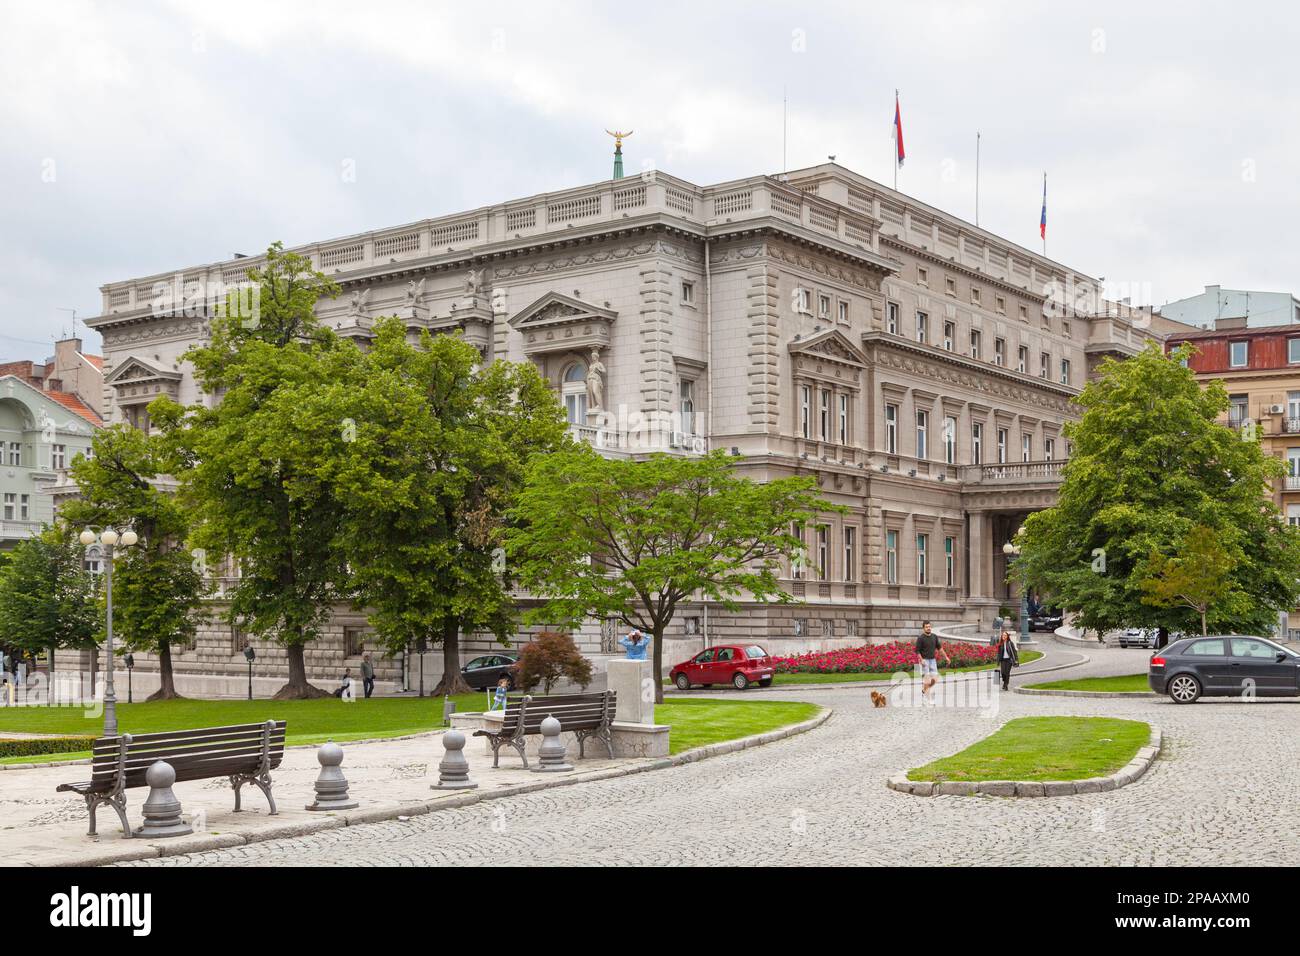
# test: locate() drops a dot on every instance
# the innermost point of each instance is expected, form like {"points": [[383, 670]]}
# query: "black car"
{"points": [[1046, 620], [1224, 665], [484, 672]]}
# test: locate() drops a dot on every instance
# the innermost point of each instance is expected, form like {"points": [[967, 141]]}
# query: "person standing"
{"points": [[367, 674], [636, 644], [928, 646], [1008, 657]]}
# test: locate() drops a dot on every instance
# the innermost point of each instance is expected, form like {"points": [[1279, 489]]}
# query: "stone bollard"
{"points": [[331, 785], [551, 755], [453, 771], [162, 811]]}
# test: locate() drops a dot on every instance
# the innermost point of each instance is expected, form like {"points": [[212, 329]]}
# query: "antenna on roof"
{"points": [[74, 319]]}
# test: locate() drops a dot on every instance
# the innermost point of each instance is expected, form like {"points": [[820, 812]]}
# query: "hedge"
{"points": [[31, 746]]}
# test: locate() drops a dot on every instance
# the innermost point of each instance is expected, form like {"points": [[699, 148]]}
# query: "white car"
{"points": [[1137, 637]]}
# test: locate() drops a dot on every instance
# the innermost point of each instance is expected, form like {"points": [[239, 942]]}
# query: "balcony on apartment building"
{"points": [[17, 530]]}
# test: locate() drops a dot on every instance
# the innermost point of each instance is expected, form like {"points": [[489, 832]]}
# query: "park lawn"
{"points": [[697, 721], [694, 722], [807, 678], [1044, 748], [1128, 683]]}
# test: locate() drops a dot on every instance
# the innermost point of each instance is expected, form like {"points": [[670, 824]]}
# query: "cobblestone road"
{"points": [[1224, 791]]}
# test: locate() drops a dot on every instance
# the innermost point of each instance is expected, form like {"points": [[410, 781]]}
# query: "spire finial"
{"points": [[618, 150]]}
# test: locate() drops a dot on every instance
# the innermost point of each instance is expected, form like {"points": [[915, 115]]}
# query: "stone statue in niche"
{"points": [[415, 292], [595, 382], [473, 281], [360, 297]]}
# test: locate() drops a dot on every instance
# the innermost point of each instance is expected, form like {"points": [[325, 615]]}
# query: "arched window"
{"points": [[574, 390]]}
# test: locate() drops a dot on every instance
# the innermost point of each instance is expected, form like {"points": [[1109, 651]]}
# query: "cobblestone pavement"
{"points": [[1222, 792]]}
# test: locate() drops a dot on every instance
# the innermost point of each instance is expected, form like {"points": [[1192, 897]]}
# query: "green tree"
{"points": [[251, 481], [1197, 577], [551, 656], [632, 539], [1151, 462], [431, 450], [157, 591], [47, 598]]}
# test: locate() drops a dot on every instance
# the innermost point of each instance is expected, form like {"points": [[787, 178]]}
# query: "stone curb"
{"points": [[219, 841], [1049, 692], [1130, 772]]}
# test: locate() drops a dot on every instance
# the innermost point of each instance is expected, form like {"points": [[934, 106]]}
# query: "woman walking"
{"points": [[1008, 657]]}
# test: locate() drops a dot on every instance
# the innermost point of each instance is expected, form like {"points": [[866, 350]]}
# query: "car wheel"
{"points": [[683, 682], [739, 681], [765, 682], [1184, 689]]}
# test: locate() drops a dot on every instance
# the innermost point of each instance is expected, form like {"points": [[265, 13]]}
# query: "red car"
{"points": [[736, 664]]}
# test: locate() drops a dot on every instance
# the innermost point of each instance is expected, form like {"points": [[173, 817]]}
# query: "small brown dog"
{"points": [[878, 699]]}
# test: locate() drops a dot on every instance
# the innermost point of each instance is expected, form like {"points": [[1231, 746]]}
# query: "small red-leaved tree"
{"points": [[548, 658]]}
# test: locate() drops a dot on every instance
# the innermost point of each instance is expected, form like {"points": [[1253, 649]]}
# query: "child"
{"points": [[499, 698]]}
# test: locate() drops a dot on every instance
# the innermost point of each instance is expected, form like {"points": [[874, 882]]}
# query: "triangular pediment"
{"points": [[136, 369], [832, 344], [555, 308]]}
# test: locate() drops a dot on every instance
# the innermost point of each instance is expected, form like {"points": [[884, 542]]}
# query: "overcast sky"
{"points": [[144, 136]]}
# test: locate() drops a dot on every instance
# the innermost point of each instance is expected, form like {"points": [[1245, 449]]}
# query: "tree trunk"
{"points": [[658, 657], [167, 687], [298, 688], [452, 681], [1203, 628]]}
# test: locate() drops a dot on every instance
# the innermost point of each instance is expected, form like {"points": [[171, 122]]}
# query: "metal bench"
{"points": [[584, 715], [245, 753]]}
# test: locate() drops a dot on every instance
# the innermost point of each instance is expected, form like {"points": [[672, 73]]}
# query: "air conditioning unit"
{"points": [[1276, 409], [676, 440]]}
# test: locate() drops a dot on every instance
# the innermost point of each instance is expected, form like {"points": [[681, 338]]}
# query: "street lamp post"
{"points": [[250, 655], [129, 660], [1012, 552], [108, 538]]}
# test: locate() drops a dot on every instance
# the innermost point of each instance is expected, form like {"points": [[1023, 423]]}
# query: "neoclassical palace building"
{"points": [[819, 323]]}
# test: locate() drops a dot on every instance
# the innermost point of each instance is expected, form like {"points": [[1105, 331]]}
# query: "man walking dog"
{"points": [[928, 646]]}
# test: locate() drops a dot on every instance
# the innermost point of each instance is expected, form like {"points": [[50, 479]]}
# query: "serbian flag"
{"points": [[1042, 220], [898, 130]]}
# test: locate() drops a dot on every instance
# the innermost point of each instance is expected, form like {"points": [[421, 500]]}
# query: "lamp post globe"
{"points": [[87, 537], [108, 536], [130, 537]]}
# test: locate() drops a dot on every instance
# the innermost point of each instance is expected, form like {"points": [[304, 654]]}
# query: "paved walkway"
{"points": [[1223, 792]]}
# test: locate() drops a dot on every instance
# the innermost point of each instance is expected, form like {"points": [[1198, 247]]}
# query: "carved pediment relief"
{"points": [[829, 354], [135, 370], [560, 322]]}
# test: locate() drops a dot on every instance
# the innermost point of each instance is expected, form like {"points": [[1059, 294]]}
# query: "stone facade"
{"points": [[819, 323]]}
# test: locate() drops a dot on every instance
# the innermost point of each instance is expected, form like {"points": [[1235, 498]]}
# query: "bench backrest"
{"points": [[573, 711], [194, 754]]}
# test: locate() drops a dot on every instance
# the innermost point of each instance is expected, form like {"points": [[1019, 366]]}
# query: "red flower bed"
{"points": [[881, 659]]}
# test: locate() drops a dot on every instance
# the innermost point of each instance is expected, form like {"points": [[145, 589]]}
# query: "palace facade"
{"points": [[818, 323]]}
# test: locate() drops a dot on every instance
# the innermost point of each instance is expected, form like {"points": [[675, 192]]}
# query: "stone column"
{"points": [[630, 680]]}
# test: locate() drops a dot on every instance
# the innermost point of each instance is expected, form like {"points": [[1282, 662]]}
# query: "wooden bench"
{"points": [[584, 715], [245, 753]]}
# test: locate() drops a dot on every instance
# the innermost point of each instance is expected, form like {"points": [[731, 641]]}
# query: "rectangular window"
{"points": [[1293, 411], [15, 454], [800, 626], [1237, 410], [1026, 445], [974, 296], [1293, 351], [949, 330], [805, 411], [823, 306], [891, 318], [976, 443], [1002, 446], [823, 551], [801, 300], [975, 343], [354, 641], [1001, 304], [1024, 314], [826, 415], [1023, 359], [950, 561], [58, 457], [891, 557], [922, 419], [950, 440], [1240, 354], [923, 276], [11, 501], [922, 327], [1044, 364], [999, 351], [686, 394], [1065, 371], [1293, 515], [796, 565], [844, 312], [1049, 449], [1293, 462], [22, 507], [949, 285], [850, 554], [922, 540], [844, 419], [891, 429], [1065, 329], [688, 293]]}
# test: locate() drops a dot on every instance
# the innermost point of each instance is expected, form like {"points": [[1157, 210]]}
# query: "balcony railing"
{"points": [[1017, 471], [1292, 483], [20, 530]]}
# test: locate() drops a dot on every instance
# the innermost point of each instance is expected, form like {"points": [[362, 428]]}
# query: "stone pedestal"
{"points": [[634, 683]]}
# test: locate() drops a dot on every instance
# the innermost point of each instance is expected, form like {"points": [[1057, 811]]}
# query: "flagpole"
{"points": [[895, 138], [1044, 213], [977, 178]]}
